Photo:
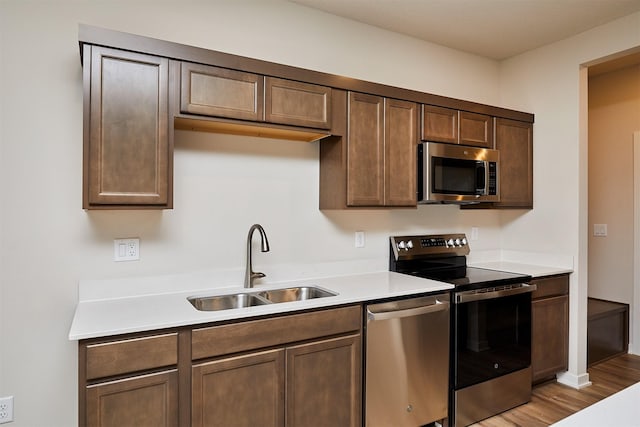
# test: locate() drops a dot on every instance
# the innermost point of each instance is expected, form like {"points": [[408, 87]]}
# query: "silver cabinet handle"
{"points": [[469, 296], [373, 314]]}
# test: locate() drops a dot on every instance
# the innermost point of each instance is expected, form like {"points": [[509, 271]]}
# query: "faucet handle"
{"points": [[257, 275]]}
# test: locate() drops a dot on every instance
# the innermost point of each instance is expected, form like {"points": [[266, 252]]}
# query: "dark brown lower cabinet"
{"points": [[245, 390], [323, 383], [312, 384], [300, 369], [550, 327], [147, 400]]}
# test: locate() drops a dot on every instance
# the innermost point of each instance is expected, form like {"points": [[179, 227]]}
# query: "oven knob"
{"points": [[401, 245], [464, 241], [458, 242], [450, 242], [410, 244]]}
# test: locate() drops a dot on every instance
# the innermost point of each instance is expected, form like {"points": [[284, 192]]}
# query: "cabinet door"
{"points": [[514, 139], [296, 103], [476, 129], [365, 151], [127, 149], [401, 144], [323, 383], [150, 400], [239, 391], [550, 331], [219, 92], [439, 124]]}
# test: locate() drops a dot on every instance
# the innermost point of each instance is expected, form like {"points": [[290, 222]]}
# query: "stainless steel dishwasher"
{"points": [[407, 361]]}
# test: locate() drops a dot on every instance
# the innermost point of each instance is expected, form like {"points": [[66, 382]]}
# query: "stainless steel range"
{"points": [[490, 325]]}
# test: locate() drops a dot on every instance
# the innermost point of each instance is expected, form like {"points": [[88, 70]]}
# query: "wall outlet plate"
{"points": [[126, 249], [6, 409]]}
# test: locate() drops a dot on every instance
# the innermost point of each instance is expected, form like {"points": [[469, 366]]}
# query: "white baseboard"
{"points": [[574, 381]]}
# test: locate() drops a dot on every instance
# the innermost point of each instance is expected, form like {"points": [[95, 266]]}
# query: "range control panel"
{"points": [[405, 247]]}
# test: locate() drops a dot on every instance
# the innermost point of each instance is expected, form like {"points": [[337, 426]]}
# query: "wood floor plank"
{"points": [[552, 401]]}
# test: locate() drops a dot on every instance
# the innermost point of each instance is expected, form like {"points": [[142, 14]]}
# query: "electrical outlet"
{"points": [[6, 409], [359, 239], [126, 249]]}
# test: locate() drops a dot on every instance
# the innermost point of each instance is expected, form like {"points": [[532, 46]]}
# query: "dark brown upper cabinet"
{"points": [[127, 138], [476, 129], [297, 104], [514, 140], [439, 124], [220, 92], [368, 131], [452, 126], [376, 159]]}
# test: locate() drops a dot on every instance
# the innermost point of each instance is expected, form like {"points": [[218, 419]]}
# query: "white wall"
{"points": [[223, 184], [550, 82]]}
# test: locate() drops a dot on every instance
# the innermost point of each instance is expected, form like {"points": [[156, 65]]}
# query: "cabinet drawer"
{"points": [[219, 92], [296, 103], [551, 286], [136, 354], [243, 336]]}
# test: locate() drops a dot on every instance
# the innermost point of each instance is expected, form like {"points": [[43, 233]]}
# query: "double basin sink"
{"points": [[251, 299]]}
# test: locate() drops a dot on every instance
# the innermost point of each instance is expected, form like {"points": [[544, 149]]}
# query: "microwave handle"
{"points": [[485, 166]]}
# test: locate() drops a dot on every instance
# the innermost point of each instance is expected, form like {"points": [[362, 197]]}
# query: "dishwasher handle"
{"points": [[380, 312]]}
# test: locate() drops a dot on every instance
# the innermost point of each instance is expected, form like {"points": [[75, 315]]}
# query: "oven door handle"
{"points": [[469, 296], [373, 314]]}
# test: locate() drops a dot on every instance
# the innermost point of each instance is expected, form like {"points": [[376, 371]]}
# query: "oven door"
{"points": [[492, 333]]}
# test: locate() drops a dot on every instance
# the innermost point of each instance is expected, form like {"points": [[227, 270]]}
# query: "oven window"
{"points": [[492, 338], [453, 176]]}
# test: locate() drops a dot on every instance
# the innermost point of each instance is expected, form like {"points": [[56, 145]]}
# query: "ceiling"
{"points": [[495, 29]]}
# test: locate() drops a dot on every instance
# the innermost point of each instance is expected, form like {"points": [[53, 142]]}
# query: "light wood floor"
{"points": [[551, 402]]}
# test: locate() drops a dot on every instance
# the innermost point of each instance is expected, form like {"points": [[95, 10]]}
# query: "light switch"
{"points": [[599, 230]]}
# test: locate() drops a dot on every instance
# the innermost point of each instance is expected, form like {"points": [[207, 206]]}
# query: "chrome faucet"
{"points": [[250, 275]]}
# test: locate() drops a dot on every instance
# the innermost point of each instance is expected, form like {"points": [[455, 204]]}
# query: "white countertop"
{"points": [[516, 267], [118, 306], [119, 315], [621, 409]]}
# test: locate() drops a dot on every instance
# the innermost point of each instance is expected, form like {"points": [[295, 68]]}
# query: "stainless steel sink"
{"points": [[251, 299], [226, 302], [298, 293]]}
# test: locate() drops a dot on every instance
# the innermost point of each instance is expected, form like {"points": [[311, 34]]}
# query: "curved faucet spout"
{"points": [[249, 274]]}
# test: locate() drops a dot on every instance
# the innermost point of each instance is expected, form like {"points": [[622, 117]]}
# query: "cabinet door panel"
{"points": [[128, 148], [439, 124], [476, 129], [323, 383], [219, 92], [365, 154], [150, 400], [400, 152], [239, 391], [550, 330], [296, 103], [514, 139]]}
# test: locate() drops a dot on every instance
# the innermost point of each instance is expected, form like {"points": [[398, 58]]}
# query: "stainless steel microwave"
{"points": [[449, 173]]}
